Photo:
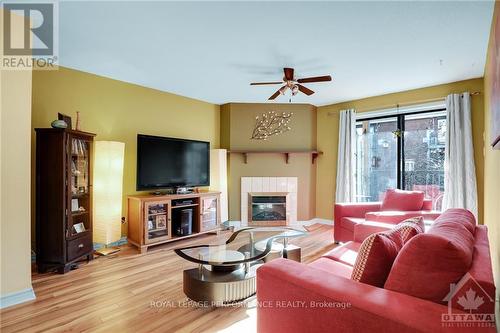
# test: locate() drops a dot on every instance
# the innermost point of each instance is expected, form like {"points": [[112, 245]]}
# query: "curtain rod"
{"points": [[388, 106]]}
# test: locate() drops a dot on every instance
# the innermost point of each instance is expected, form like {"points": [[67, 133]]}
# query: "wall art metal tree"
{"points": [[270, 124]]}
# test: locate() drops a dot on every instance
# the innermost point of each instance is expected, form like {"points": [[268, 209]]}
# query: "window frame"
{"points": [[400, 181]]}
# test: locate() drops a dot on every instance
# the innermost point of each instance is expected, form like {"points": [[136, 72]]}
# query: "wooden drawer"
{"points": [[79, 247]]}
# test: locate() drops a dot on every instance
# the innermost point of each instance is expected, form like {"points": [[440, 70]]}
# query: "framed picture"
{"points": [[75, 206], [79, 227], [161, 221], [494, 73], [66, 118]]}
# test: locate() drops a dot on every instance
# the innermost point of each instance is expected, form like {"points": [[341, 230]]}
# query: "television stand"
{"points": [[151, 218]]}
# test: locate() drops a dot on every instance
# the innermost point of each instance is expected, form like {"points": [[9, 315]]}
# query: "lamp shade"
{"points": [[108, 190]]}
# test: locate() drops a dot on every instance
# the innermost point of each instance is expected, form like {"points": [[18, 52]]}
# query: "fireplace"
{"points": [[268, 209]]}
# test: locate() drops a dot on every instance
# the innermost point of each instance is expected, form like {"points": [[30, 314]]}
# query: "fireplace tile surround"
{"points": [[264, 185]]}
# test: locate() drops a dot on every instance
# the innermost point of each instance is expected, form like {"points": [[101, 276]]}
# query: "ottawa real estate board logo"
{"points": [[469, 305], [30, 35]]}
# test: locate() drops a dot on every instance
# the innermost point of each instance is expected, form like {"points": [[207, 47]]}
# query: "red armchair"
{"points": [[397, 206]]}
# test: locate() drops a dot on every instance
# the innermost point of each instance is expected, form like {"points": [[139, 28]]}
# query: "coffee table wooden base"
{"points": [[220, 288]]}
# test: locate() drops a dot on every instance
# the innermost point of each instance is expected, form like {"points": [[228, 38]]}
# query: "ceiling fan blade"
{"points": [[305, 90], [262, 83], [315, 79], [288, 74], [273, 96]]}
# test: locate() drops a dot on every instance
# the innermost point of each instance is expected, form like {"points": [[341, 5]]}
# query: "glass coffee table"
{"points": [[226, 272]]}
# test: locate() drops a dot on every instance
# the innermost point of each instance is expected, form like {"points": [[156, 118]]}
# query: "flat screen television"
{"points": [[171, 163]]}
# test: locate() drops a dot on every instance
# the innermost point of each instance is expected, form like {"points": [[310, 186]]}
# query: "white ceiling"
{"points": [[212, 50]]}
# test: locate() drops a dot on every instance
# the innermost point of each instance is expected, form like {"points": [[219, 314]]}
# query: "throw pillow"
{"points": [[410, 227], [376, 256], [403, 200]]}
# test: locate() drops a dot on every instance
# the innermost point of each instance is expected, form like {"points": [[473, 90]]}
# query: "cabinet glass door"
{"points": [[157, 222], [79, 183], [208, 213]]}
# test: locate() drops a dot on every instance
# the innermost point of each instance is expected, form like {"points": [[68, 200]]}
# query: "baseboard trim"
{"points": [[320, 221], [17, 298]]}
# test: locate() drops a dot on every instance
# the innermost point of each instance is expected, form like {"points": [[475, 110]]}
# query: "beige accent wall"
{"points": [[328, 127], [118, 111], [492, 169], [238, 120], [15, 129]]}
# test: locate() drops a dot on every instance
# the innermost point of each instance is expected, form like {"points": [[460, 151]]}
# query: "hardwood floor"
{"points": [[132, 292]]}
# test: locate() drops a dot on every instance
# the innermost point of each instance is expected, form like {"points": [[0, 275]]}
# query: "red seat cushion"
{"points": [[362, 231], [375, 258], [403, 200], [389, 216], [332, 266], [349, 222], [428, 263], [345, 253]]}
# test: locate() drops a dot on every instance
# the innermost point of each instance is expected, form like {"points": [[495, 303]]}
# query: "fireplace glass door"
{"points": [[268, 208]]}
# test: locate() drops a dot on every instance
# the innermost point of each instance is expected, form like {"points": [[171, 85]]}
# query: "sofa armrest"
{"points": [[358, 209], [293, 297], [427, 205]]}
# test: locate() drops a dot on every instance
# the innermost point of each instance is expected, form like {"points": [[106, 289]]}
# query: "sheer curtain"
{"points": [[345, 187], [459, 169]]}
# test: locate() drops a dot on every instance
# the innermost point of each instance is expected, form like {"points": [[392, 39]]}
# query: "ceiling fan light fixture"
{"points": [[295, 85]]}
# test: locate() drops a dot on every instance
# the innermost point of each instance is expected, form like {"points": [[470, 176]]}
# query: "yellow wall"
{"points": [[118, 111], [492, 169], [15, 129], [238, 121], [328, 126]]}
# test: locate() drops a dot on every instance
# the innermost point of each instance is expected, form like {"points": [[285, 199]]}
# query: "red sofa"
{"points": [[396, 206], [322, 297]]}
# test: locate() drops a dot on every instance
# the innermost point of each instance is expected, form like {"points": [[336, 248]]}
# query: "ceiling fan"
{"points": [[292, 84]]}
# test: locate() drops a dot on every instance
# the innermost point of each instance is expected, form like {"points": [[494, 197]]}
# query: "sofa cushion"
{"points": [[403, 200], [333, 267], [349, 222], [362, 231], [346, 253], [460, 216], [375, 258], [394, 217], [428, 263]]}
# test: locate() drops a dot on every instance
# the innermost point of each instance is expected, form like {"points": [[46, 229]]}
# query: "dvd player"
{"points": [[182, 202]]}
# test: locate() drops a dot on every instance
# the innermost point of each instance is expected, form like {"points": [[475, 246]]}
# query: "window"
{"points": [[403, 151]]}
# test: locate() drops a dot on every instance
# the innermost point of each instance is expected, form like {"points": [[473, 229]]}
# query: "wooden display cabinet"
{"points": [[154, 219], [63, 198]]}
